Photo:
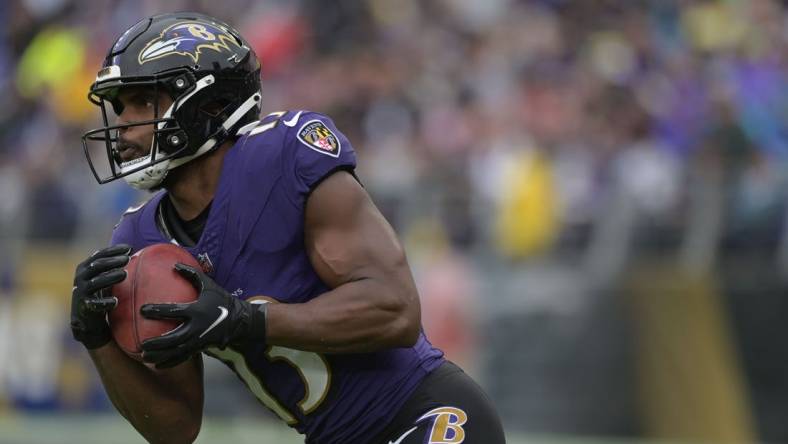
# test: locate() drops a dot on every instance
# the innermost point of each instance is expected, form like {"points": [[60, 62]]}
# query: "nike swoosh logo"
{"points": [[218, 320], [291, 123], [403, 436]]}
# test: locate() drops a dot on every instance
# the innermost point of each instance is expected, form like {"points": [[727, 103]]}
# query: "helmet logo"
{"points": [[189, 39]]}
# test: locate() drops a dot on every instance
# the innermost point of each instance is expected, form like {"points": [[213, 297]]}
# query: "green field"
{"points": [[109, 429]]}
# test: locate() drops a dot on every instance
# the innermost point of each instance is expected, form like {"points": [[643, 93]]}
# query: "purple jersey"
{"points": [[253, 244]]}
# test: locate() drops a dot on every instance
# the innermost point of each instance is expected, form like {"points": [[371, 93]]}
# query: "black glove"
{"points": [[90, 298], [215, 319]]}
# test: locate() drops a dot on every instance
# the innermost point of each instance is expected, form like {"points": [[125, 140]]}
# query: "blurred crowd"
{"points": [[510, 124], [491, 133]]}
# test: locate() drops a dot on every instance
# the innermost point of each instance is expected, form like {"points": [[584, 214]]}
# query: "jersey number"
{"points": [[311, 367], [267, 126]]}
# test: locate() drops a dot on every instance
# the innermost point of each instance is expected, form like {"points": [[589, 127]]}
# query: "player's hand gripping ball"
{"points": [[151, 278], [215, 319]]}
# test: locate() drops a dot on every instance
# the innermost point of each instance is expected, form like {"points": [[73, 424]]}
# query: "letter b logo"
{"points": [[447, 425]]}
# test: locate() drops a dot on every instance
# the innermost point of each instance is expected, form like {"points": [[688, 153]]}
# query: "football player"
{"points": [[304, 290]]}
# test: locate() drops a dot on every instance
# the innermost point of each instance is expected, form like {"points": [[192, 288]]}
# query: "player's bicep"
{"points": [[346, 237]]}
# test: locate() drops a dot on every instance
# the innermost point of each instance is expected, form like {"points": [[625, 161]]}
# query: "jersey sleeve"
{"points": [[125, 231], [315, 149], [122, 234]]}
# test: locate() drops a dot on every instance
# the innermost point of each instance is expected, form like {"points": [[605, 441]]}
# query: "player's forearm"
{"points": [[359, 316], [147, 401]]}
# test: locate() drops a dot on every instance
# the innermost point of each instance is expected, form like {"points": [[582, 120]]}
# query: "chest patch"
{"points": [[316, 135]]}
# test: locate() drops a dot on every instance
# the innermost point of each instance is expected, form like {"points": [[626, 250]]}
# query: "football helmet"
{"points": [[207, 68]]}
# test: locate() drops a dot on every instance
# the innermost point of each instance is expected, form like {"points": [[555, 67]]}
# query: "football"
{"points": [[150, 278]]}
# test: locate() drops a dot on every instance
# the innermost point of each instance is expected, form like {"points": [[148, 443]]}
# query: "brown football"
{"points": [[150, 279]]}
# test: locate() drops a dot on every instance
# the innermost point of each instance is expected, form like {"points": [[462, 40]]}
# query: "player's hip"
{"points": [[448, 407]]}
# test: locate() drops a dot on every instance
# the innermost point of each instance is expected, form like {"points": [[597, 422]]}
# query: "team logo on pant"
{"points": [[446, 425]]}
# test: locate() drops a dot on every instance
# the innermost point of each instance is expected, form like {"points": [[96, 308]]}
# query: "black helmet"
{"points": [[208, 69]]}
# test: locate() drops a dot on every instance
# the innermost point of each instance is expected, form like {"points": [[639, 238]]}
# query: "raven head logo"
{"points": [[189, 39]]}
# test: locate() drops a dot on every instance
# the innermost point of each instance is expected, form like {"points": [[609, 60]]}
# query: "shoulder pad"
{"points": [[133, 209], [288, 119]]}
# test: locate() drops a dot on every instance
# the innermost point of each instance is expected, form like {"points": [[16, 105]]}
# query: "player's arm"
{"points": [[164, 406], [374, 303]]}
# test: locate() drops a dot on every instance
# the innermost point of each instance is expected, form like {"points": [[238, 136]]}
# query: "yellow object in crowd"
{"points": [[527, 222], [54, 64]]}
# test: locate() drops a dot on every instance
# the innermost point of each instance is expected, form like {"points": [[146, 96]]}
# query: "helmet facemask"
{"points": [[169, 141], [171, 145]]}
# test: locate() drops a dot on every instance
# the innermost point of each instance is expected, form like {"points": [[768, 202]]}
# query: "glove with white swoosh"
{"points": [[215, 319]]}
